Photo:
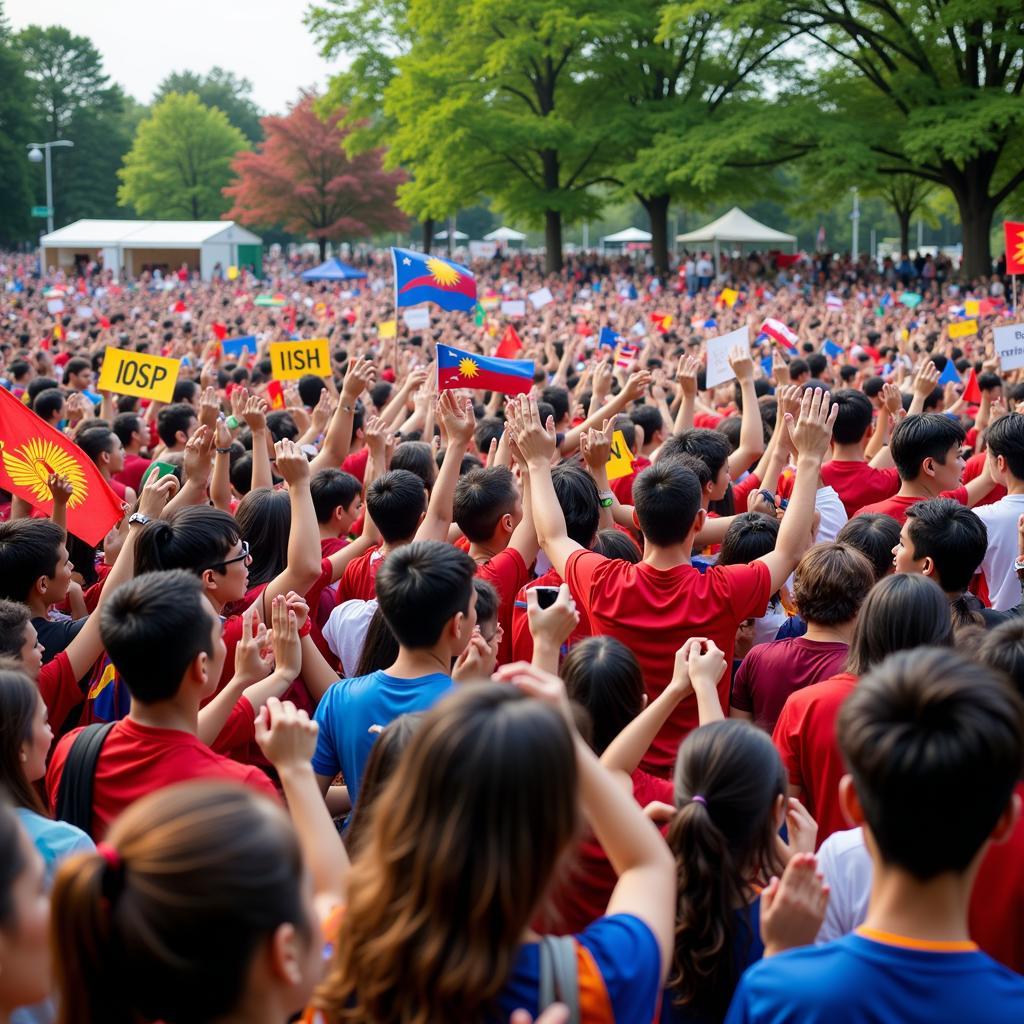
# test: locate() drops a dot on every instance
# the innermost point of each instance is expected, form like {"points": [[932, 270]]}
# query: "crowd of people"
{"points": [[385, 704]]}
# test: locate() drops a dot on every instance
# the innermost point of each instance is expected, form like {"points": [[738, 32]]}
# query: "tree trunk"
{"points": [[976, 210], [428, 234], [657, 211], [552, 242], [903, 216], [322, 243]]}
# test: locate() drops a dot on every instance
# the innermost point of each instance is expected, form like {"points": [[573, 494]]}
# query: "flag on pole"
{"points": [[422, 278], [510, 345], [458, 369], [624, 360], [949, 374], [778, 331], [831, 349], [727, 297], [30, 450], [662, 322], [220, 331], [608, 338], [1014, 234], [276, 393], [972, 393]]}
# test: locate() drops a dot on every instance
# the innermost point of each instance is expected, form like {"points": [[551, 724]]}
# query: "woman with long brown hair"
{"points": [[462, 847]]}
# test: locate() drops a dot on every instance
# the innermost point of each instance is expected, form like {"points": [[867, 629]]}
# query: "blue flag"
{"points": [[831, 349], [236, 346], [949, 374], [608, 338], [422, 278]]}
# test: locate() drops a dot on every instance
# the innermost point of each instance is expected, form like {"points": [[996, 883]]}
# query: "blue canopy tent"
{"points": [[333, 270]]}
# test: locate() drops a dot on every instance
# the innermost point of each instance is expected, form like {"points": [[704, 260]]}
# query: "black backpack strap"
{"points": [[74, 794]]}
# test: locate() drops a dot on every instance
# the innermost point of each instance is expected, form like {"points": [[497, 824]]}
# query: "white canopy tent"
{"points": [[626, 236], [505, 234], [736, 226], [458, 236], [137, 245]]}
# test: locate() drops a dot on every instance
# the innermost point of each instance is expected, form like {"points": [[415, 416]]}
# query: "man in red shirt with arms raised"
{"points": [[653, 607]]}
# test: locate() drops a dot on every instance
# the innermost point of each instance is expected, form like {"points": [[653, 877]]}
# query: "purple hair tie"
{"points": [[699, 800]]}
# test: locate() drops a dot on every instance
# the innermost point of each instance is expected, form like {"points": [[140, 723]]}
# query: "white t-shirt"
{"points": [[833, 515], [1000, 519], [345, 632], [846, 864], [704, 268]]}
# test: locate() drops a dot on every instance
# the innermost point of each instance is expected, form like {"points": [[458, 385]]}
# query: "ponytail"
{"points": [[87, 963], [194, 538], [963, 613], [728, 780]]}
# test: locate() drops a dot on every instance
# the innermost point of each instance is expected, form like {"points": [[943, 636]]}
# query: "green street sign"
{"points": [[42, 211]]}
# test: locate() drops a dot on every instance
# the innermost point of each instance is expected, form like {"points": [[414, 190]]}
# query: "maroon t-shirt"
{"points": [[771, 672]]}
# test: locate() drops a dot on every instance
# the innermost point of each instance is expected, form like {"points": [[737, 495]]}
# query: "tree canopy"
{"points": [[180, 161], [221, 89]]}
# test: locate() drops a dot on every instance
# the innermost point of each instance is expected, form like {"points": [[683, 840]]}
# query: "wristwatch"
{"points": [[139, 518]]}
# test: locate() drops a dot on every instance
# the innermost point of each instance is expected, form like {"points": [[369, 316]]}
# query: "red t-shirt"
{"points": [[897, 506], [805, 737], [137, 760], [972, 469], [741, 491], [332, 545], [859, 484], [522, 638], [771, 672], [623, 487], [654, 611], [356, 464], [135, 467], [359, 580], [706, 420], [118, 488], [506, 572], [59, 689], [583, 897]]}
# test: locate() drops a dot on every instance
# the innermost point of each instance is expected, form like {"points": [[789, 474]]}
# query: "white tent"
{"points": [[736, 226], [628, 235], [458, 236], [504, 234], [137, 245]]}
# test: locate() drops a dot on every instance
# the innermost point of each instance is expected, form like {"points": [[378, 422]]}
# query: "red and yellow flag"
{"points": [[1014, 231], [30, 450]]}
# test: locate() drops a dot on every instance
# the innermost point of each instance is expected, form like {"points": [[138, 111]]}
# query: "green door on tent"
{"points": [[251, 256]]}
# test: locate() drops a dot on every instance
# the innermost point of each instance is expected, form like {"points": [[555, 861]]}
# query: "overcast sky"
{"points": [[262, 40]]}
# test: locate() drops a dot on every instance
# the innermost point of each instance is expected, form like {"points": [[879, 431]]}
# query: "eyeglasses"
{"points": [[243, 557]]}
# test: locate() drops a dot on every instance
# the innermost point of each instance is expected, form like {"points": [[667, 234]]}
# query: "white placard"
{"points": [[483, 250], [719, 370], [417, 319], [513, 307], [541, 297], [55, 305], [1010, 346], [639, 329], [84, 312]]}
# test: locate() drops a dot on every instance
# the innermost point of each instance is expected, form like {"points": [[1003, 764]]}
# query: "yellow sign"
{"points": [[387, 329], [972, 307], [964, 329], [232, 273], [621, 462], [729, 296], [290, 360], [135, 373]]}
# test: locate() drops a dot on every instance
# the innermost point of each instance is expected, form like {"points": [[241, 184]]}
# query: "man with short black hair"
{"points": [[175, 424]]}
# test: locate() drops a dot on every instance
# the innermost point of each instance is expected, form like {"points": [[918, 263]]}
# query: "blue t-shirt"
{"points": [[857, 980], [747, 949], [626, 955], [351, 707]]}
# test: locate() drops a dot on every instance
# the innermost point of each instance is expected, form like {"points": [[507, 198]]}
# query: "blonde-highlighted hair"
{"points": [[462, 845]]}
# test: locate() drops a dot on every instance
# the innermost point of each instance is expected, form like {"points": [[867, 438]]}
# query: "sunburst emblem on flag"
{"points": [[1018, 256], [467, 368], [30, 464], [443, 273]]}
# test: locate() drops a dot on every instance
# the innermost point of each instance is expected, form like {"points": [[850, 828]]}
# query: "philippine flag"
{"points": [[778, 331], [422, 278], [458, 369]]}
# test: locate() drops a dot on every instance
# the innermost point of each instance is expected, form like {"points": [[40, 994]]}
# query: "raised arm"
{"points": [[634, 389], [687, 376], [751, 429], [458, 423], [338, 440]]}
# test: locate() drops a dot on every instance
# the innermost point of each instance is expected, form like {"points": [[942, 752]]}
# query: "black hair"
{"points": [[94, 441], [417, 457], [924, 731], [12, 864], [558, 399], [396, 501], [185, 390], [874, 534], [127, 423], [925, 436], [614, 543], [952, 536], [310, 388], [48, 402], [490, 428], [195, 538], [487, 600], [76, 366], [648, 419], [153, 627], [709, 446], [667, 500], [873, 387], [380, 647], [578, 498], [38, 385], [482, 497], [264, 518], [854, 417], [420, 587], [172, 419], [698, 467], [1006, 437], [380, 393], [29, 548], [281, 425], [331, 489], [797, 368], [750, 536]]}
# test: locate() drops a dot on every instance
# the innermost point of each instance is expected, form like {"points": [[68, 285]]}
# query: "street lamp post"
{"points": [[35, 154], [855, 217]]}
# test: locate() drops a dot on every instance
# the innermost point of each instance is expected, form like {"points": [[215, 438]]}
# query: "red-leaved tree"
{"points": [[301, 179]]}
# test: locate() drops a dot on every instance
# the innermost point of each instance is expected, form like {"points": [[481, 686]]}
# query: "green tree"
{"points": [[73, 99], [948, 75], [490, 101], [15, 124], [180, 161], [221, 89]]}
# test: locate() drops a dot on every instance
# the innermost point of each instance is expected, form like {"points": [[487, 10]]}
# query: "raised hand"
{"points": [[156, 494], [286, 734], [255, 413], [792, 909], [457, 418], [596, 446], [359, 377], [291, 462], [61, 488], [197, 458], [552, 625], [742, 364], [812, 432], [536, 443]]}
